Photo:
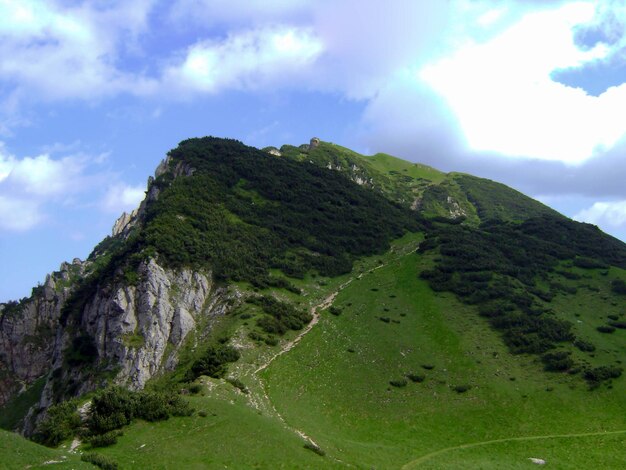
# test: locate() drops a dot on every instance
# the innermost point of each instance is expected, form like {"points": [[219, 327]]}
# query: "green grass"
{"points": [[391, 165], [19, 453], [334, 386], [562, 452], [343, 400], [232, 435]]}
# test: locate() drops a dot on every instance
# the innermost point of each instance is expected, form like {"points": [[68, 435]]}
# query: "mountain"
{"points": [[311, 307]]}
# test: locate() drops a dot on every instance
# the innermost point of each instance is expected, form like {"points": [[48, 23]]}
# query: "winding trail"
{"points": [[429, 456]]}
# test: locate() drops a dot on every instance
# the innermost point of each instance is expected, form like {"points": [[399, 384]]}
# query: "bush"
{"points": [[335, 311], [115, 407], [557, 361], [106, 439], [280, 317], [462, 388], [214, 361], [619, 286], [428, 366], [152, 406], [584, 345], [238, 384], [112, 408], [314, 448], [416, 377], [605, 329], [194, 389], [61, 422], [597, 375], [99, 460], [618, 324], [203, 414], [398, 383]]}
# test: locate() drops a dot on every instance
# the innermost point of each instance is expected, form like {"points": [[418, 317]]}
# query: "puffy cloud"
{"points": [[62, 52], [122, 198], [33, 186], [611, 214], [43, 176], [18, 214], [249, 60], [502, 93]]}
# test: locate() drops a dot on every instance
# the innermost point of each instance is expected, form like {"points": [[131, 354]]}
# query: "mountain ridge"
{"points": [[228, 232]]}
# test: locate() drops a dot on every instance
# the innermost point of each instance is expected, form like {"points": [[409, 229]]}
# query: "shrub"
{"points": [[106, 439], [179, 406], [214, 361], [194, 389], [280, 316], [557, 361], [61, 422], [152, 406], [428, 366], [597, 375], [202, 413], [416, 377], [605, 329], [398, 383], [589, 263], [335, 311], [314, 448], [618, 324], [584, 345], [112, 408], [619, 286], [384, 319], [238, 384], [462, 388], [99, 460]]}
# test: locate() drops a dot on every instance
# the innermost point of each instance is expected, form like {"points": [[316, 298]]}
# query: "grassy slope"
{"points": [[18, 453], [344, 402], [334, 385], [232, 435], [343, 399]]}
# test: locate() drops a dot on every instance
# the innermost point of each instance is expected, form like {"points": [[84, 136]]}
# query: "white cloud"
{"points": [[610, 214], [43, 176], [33, 186], [248, 60], [502, 94], [18, 215], [122, 198], [61, 52]]}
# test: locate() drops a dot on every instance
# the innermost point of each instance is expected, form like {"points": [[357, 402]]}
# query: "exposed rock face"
{"points": [[137, 330], [315, 142], [124, 223], [28, 331]]}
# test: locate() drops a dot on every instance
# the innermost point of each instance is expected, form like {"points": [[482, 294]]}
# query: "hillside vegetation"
{"points": [[386, 315]]}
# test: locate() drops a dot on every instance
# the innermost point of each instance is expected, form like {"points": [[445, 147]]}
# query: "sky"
{"points": [[94, 93]]}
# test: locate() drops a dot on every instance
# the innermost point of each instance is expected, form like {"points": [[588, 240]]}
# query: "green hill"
{"points": [[379, 314]]}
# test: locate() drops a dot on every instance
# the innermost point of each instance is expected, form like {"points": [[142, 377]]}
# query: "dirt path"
{"points": [[324, 304], [262, 401], [429, 456]]}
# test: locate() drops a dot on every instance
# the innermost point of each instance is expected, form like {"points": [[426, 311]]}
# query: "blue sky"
{"points": [[94, 93]]}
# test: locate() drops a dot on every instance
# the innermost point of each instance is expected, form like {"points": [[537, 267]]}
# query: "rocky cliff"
{"points": [[123, 329]]}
